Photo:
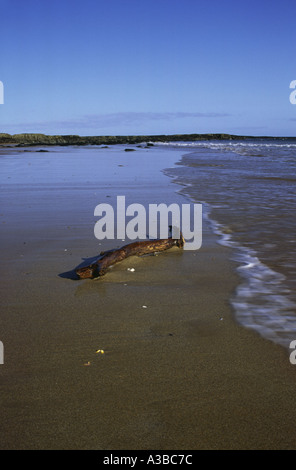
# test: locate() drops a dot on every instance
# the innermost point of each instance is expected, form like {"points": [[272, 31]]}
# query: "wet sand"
{"points": [[178, 374]]}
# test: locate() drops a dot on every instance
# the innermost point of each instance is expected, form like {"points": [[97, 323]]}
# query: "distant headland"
{"points": [[23, 140]]}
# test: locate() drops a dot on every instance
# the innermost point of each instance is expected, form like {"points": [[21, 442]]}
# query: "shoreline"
{"points": [[178, 374], [262, 300], [36, 139]]}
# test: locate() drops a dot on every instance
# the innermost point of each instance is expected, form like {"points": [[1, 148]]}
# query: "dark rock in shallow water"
{"points": [[129, 150]]}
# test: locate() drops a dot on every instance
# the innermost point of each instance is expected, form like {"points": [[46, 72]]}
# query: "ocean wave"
{"points": [[228, 145], [261, 301]]}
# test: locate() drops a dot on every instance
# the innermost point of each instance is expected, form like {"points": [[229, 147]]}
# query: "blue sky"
{"points": [[119, 67]]}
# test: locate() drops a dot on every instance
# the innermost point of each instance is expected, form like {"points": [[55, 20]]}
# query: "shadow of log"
{"points": [[85, 262]]}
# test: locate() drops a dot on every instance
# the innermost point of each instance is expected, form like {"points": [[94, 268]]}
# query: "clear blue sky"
{"points": [[110, 67]]}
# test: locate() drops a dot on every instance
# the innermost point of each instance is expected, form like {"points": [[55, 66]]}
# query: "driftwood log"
{"points": [[108, 258]]}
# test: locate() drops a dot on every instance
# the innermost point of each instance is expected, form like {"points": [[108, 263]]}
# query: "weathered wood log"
{"points": [[108, 258]]}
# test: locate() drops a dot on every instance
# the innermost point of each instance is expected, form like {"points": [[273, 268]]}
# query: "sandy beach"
{"points": [[177, 372]]}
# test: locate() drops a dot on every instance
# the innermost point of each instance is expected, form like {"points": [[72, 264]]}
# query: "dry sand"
{"points": [[178, 374]]}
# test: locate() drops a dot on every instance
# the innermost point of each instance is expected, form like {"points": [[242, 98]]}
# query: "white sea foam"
{"points": [[261, 301], [228, 145]]}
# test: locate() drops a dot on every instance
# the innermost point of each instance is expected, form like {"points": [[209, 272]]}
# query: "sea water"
{"points": [[248, 192]]}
